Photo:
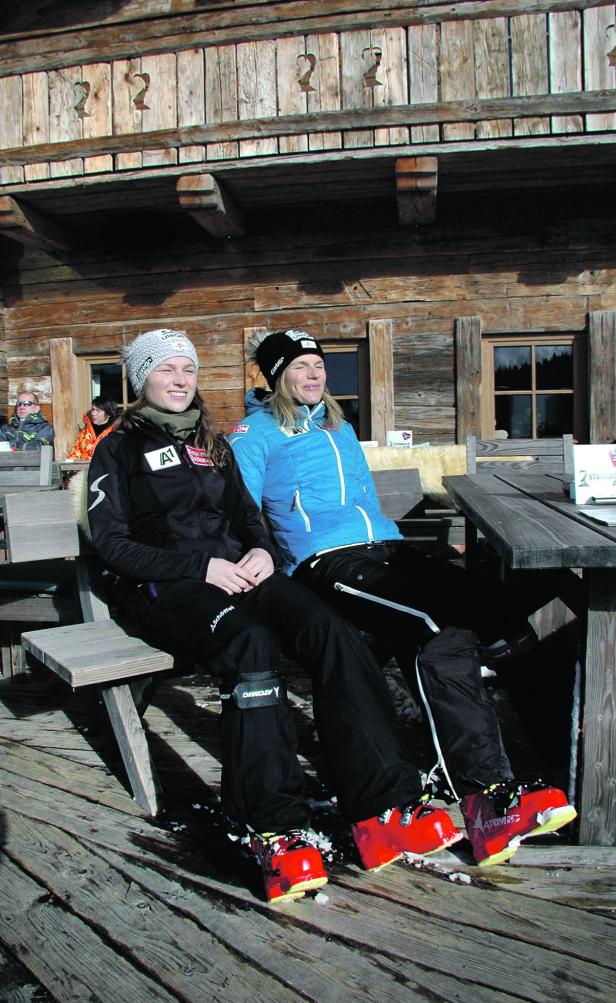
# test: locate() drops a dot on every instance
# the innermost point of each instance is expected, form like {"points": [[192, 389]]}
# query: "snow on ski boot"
{"points": [[420, 828], [291, 865], [499, 817]]}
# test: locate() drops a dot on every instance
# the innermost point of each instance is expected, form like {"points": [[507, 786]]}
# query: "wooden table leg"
{"points": [[597, 796], [133, 745]]}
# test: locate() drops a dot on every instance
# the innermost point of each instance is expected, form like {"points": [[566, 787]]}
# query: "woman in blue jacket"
{"points": [[304, 467], [170, 516]]}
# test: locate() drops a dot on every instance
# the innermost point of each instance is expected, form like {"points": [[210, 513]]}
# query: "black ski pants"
{"points": [[442, 667], [239, 638]]}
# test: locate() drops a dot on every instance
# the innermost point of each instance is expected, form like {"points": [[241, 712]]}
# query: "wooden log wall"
{"points": [[175, 93], [514, 279]]}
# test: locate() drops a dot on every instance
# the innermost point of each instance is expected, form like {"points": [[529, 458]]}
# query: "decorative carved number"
{"points": [[304, 80], [370, 79], [80, 107], [139, 98]]}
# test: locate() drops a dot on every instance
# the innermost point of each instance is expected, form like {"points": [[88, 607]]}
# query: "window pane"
{"points": [[341, 368], [554, 414], [512, 368], [106, 380], [350, 409], [514, 415], [554, 367]]}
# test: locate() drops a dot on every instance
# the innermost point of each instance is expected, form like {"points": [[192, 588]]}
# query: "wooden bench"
{"points": [[402, 499], [487, 456], [98, 651], [28, 469]]}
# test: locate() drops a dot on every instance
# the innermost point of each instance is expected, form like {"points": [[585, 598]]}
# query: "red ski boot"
{"points": [[416, 829], [291, 865], [499, 817]]}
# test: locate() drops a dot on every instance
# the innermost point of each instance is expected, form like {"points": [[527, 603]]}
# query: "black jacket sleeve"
{"points": [[108, 515]]}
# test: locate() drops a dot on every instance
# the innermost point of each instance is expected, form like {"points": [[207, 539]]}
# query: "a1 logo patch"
{"points": [[160, 459]]}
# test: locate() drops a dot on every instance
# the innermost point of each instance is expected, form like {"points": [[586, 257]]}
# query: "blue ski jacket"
{"points": [[313, 484]]}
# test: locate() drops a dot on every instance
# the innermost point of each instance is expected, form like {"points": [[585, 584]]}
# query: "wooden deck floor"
{"points": [[101, 903]]}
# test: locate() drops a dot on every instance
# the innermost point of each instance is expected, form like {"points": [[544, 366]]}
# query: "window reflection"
{"points": [[514, 415], [554, 414], [554, 367], [512, 368]]}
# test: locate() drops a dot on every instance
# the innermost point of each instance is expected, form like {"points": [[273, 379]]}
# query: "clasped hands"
{"points": [[253, 568]]}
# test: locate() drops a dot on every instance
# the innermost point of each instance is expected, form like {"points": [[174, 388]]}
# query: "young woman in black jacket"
{"points": [[170, 516]]}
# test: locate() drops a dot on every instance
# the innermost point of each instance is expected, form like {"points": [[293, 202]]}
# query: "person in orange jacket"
{"points": [[97, 423]]}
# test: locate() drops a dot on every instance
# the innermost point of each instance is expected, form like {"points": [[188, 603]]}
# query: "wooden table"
{"points": [[532, 524]]}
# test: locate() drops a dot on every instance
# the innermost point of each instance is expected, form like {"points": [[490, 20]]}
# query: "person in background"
{"points": [[97, 423], [170, 516], [304, 467], [27, 429]]}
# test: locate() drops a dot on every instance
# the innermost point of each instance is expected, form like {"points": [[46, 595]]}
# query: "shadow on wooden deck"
{"points": [[100, 902]]}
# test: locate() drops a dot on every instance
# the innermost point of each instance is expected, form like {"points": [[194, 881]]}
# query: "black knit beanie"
{"points": [[279, 349]]}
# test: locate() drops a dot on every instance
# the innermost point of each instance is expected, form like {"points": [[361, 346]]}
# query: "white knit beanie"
{"points": [[148, 350]]}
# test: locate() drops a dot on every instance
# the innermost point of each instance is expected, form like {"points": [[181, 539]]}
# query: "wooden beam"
{"points": [[380, 341], [416, 180], [602, 375], [468, 377], [63, 395], [381, 117], [207, 201], [30, 227]]}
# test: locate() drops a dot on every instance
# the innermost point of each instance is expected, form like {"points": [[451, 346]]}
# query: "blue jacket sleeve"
{"points": [[251, 452]]}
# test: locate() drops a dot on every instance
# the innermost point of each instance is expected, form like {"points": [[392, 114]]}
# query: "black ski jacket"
{"points": [[159, 511]]}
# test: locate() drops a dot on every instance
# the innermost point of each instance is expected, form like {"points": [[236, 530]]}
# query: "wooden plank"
{"points": [[95, 110], [423, 76], [36, 120], [325, 79], [54, 510], [492, 75], [191, 99], [393, 74], [602, 375], [529, 67], [133, 746], [381, 374], [64, 122], [599, 33], [221, 96], [399, 491], [367, 118], [160, 107], [292, 68], [565, 63], [63, 381], [457, 72], [468, 376], [36, 930], [11, 124], [256, 90], [597, 821], [126, 115], [86, 653], [356, 60]]}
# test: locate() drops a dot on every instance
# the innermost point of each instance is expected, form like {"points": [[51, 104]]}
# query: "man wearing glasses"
{"points": [[28, 429]]}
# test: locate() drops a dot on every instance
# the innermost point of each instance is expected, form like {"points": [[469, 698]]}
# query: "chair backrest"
{"points": [[399, 491], [29, 468], [485, 455], [40, 526]]}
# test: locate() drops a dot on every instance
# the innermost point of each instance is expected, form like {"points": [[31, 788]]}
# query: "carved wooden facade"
{"points": [[360, 172]]}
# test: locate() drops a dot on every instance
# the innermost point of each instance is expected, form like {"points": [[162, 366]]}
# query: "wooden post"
{"points": [[602, 375], [468, 377], [208, 203], [63, 394], [381, 379]]}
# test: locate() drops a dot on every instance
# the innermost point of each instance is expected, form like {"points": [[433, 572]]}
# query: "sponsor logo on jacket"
{"points": [[160, 459]]}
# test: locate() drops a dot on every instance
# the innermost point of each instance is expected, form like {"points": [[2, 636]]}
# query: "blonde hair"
{"points": [[208, 437]]}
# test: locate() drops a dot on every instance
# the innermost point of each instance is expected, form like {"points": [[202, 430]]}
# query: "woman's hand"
{"points": [[232, 578], [258, 564]]}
